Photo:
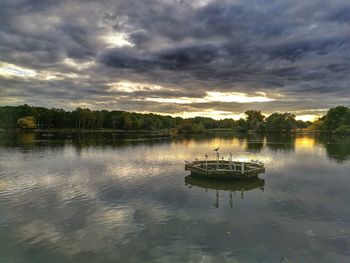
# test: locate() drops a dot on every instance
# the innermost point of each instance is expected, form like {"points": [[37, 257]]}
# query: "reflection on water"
{"points": [[305, 143], [101, 197], [232, 187], [337, 148], [235, 185], [255, 142]]}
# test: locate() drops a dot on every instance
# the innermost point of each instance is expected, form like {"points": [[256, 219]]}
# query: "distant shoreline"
{"points": [[39, 119], [169, 133], [74, 130]]}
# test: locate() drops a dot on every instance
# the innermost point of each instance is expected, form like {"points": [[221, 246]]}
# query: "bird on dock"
{"points": [[216, 150]]}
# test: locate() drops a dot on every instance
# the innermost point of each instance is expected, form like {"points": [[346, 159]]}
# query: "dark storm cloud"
{"points": [[172, 59], [300, 49]]}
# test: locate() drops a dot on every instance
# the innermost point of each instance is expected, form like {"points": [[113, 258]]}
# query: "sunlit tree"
{"points": [[27, 122]]}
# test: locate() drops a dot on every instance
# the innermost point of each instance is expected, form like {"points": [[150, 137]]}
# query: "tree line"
{"points": [[337, 120], [25, 116]]}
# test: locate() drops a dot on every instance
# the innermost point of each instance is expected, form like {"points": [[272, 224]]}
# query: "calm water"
{"points": [[102, 198]]}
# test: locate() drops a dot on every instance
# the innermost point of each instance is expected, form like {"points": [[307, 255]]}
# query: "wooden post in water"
{"points": [[242, 167], [217, 159], [217, 199], [232, 162], [206, 162]]}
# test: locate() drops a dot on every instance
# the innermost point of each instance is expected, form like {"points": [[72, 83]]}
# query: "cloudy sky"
{"points": [[179, 57]]}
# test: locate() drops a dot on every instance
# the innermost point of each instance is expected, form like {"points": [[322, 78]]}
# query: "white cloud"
{"points": [[115, 39], [215, 96]]}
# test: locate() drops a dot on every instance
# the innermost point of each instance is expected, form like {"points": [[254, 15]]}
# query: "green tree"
{"points": [[241, 125], [342, 129], [114, 121], [336, 117], [226, 123], [198, 128], [280, 122], [207, 123], [136, 121], [127, 122], [317, 125], [255, 119], [186, 126], [301, 124]]}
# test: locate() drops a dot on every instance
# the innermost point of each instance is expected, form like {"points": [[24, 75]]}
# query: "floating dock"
{"points": [[223, 169]]}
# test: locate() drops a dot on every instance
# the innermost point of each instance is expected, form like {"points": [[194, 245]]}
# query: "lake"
{"points": [[105, 197]]}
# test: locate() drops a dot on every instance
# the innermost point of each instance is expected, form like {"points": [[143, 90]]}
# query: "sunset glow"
{"points": [[235, 97], [308, 117], [9, 70]]}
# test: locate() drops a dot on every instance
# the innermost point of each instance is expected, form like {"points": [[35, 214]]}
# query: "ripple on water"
{"points": [[131, 201]]}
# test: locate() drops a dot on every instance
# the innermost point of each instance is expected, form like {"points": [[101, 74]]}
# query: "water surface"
{"points": [[112, 198]]}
